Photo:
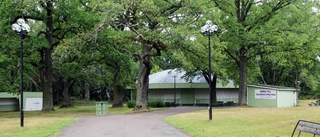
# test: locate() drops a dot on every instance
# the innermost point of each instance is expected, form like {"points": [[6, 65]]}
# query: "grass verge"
{"points": [[244, 121]]}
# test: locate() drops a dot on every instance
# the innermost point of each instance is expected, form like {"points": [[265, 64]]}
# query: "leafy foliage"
{"points": [[131, 104], [156, 103]]}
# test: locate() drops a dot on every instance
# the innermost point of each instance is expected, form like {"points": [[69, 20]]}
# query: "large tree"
{"points": [[58, 20], [148, 20], [298, 45], [244, 30], [8, 54]]}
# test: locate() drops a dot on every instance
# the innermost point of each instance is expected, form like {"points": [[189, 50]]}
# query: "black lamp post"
{"points": [[22, 29], [174, 85], [209, 29]]}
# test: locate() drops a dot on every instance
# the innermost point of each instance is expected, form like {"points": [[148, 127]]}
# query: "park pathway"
{"points": [[148, 124]]}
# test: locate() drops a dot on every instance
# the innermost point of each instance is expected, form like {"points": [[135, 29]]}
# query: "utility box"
{"points": [[101, 108], [271, 96]]}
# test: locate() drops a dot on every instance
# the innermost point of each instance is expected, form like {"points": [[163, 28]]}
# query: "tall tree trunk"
{"points": [[243, 77], [67, 85], [143, 80], [86, 90], [213, 88], [46, 82], [47, 72], [117, 96], [117, 90]]}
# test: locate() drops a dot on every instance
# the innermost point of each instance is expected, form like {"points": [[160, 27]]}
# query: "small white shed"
{"points": [[271, 96]]}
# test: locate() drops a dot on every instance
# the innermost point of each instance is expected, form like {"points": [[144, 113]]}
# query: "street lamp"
{"points": [[174, 85], [209, 29], [22, 29]]}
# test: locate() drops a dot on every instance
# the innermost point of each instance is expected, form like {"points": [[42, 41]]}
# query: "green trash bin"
{"points": [[101, 108]]}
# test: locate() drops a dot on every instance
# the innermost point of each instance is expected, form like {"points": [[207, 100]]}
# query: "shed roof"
{"points": [[272, 87]]}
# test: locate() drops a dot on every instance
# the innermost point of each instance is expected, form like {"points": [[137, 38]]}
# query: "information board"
{"points": [[265, 94]]}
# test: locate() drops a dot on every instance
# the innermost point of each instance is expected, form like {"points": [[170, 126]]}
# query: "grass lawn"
{"points": [[227, 122], [44, 124], [245, 121]]}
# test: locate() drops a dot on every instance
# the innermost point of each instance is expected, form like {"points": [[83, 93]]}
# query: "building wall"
{"points": [[193, 96], [167, 95], [8, 102], [187, 96]]}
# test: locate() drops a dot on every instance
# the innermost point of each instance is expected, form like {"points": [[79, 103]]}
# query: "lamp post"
{"points": [[22, 29], [174, 85], [209, 29]]}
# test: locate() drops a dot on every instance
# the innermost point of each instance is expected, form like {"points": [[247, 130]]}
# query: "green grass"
{"points": [[244, 121], [227, 122], [43, 124]]}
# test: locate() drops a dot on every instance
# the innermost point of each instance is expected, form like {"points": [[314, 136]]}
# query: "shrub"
{"points": [[156, 103], [131, 104]]}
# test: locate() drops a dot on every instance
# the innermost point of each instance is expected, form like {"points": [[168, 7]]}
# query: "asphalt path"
{"points": [[147, 124]]}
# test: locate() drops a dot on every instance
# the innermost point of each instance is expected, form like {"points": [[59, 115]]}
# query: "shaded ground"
{"points": [[149, 124]]}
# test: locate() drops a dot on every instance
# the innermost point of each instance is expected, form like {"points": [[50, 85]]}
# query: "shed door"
{"points": [[187, 97], [286, 99]]}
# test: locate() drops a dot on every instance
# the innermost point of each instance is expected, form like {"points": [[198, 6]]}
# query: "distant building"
{"points": [[32, 101], [166, 84]]}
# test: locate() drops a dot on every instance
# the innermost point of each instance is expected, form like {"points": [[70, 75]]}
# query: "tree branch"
{"points": [[268, 16], [233, 57]]}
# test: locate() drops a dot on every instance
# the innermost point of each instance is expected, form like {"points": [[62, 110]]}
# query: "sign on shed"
{"points": [[271, 96], [265, 94]]}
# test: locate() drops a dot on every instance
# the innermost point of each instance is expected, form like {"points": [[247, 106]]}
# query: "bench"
{"points": [[170, 104], [307, 127], [229, 103]]}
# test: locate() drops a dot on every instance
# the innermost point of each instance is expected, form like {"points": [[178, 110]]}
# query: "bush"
{"points": [[131, 104], [156, 103], [152, 103]]}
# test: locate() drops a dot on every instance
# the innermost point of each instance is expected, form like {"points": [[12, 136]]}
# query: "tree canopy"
{"points": [[101, 43]]}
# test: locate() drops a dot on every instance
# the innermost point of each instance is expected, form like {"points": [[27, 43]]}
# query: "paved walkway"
{"points": [[148, 124]]}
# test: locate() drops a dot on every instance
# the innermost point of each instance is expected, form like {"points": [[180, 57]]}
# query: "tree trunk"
{"points": [[86, 90], [67, 84], [213, 88], [47, 72], [117, 96], [117, 90], [143, 81], [243, 77], [46, 80]]}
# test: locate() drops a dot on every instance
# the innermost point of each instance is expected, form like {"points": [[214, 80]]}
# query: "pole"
{"points": [[21, 82], [174, 91], [210, 85]]}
